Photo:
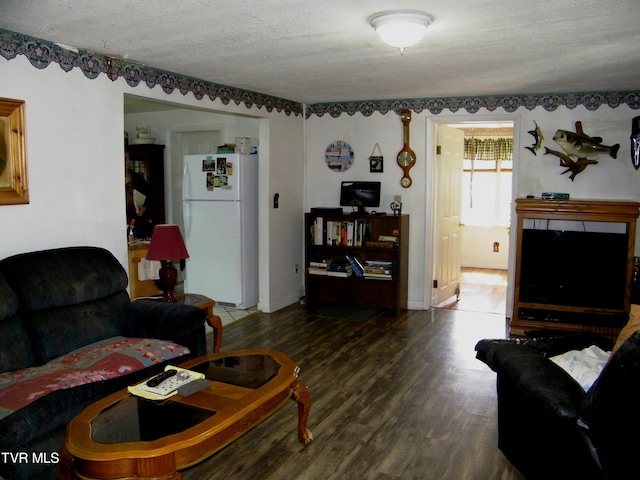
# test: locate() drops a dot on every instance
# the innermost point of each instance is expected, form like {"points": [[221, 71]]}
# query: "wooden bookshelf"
{"points": [[371, 240]]}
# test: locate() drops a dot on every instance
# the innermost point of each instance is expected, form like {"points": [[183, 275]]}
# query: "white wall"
{"points": [[75, 147], [533, 174], [477, 247]]}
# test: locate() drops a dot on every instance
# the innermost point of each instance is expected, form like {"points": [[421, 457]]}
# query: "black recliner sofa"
{"points": [[548, 426]]}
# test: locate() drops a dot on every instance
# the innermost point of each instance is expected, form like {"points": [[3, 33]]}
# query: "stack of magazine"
{"points": [[320, 266], [340, 269], [378, 269]]}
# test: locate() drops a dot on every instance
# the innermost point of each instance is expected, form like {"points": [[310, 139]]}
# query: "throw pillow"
{"points": [[633, 325]]}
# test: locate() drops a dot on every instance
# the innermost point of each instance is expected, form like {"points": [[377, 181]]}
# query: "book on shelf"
{"points": [[379, 263], [388, 238], [356, 265], [381, 269], [337, 270], [346, 233], [317, 271], [321, 262], [317, 231], [377, 270], [378, 276]]}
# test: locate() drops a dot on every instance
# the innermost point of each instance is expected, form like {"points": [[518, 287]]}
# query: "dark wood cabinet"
{"points": [[571, 273], [332, 237], [148, 161]]}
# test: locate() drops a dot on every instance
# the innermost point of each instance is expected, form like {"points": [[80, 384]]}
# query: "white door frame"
{"points": [[430, 199]]}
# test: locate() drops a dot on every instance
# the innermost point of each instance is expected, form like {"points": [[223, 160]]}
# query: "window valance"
{"points": [[490, 149]]}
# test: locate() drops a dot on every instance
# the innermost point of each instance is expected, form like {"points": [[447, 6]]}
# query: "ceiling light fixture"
{"points": [[400, 28]]}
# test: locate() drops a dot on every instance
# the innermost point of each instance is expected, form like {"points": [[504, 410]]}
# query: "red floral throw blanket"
{"points": [[99, 361]]}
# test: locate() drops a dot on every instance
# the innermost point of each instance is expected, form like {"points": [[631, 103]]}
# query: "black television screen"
{"points": [[583, 269], [360, 194]]}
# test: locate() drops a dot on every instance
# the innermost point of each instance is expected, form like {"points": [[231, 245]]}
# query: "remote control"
{"points": [[157, 380]]}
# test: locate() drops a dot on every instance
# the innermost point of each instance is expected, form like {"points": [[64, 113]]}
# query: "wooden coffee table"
{"points": [[124, 436]]}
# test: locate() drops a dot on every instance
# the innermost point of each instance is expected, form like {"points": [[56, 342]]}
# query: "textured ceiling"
{"points": [[313, 51]]}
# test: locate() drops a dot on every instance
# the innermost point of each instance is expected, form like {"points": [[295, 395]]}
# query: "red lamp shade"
{"points": [[167, 245]]}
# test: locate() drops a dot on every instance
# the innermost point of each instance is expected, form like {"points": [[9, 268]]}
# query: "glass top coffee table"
{"points": [[125, 436]]}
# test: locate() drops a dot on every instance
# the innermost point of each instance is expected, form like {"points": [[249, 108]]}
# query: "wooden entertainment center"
{"points": [[530, 315], [324, 245]]}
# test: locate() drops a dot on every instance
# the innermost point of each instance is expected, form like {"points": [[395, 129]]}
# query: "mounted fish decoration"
{"points": [[536, 133], [585, 148], [635, 142]]}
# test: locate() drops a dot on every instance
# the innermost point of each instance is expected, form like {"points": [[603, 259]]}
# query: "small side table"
{"points": [[206, 304]]}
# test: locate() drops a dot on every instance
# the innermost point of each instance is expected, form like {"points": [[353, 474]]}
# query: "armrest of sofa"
{"points": [[489, 349], [183, 324], [538, 379]]}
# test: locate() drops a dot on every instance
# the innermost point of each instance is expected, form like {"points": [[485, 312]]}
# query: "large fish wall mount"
{"points": [[584, 148]]}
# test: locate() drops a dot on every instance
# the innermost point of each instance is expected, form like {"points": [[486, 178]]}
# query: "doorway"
{"points": [[486, 194]]}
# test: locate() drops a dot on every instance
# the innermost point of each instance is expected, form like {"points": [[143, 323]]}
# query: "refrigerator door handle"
{"points": [[186, 218], [186, 191], [185, 195]]}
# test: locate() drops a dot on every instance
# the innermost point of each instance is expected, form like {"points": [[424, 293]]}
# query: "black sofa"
{"points": [[54, 304], [548, 426]]}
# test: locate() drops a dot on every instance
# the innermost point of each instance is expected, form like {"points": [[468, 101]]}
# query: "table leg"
{"points": [[300, 393], [65, 466], [216, 323]]}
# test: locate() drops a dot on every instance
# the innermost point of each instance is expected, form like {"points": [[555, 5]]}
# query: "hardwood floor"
{"points": [[393, 398], [481, 290]]}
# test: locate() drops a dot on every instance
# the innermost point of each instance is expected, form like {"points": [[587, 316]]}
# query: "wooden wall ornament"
{"points": [[635, 142], [406, 157], [14, 186]]}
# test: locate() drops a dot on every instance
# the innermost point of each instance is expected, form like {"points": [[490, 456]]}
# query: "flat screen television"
{"points": [[582, 269], [360, 194]]}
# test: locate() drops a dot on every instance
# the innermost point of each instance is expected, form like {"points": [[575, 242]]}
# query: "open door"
{"points": [[448, 184]]}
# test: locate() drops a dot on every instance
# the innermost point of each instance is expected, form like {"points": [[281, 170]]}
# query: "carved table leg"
{"points": [[216, 323], [65, 466], [301, 394]]}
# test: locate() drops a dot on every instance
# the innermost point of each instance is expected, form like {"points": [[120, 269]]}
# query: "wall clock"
{"points": [[406, 158], [339, 156]]}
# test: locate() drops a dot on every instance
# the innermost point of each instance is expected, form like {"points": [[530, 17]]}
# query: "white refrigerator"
{"points": [[220, 215]]}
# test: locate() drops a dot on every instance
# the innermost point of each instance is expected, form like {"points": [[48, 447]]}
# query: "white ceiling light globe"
{"points": [[402, 28]]}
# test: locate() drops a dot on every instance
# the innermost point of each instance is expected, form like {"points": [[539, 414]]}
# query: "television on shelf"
{"points": [[578, 268], [360, 195]]}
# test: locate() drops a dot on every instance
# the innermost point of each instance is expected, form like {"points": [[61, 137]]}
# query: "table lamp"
{"points": [[167, 245]]}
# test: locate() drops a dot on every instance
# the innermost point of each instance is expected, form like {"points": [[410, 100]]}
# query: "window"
{"points": [[486, 181]]}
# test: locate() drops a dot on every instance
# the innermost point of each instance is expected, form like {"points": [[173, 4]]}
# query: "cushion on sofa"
{"points": [[68, 297], [16, 351], [58, 331], [64, 276], [632, 326], [98, 362]]}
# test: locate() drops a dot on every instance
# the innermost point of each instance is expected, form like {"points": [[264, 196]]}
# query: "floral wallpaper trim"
{"points": [[41, 53], [510, 103]]}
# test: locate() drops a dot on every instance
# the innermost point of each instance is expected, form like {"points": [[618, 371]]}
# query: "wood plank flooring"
{"points": [[481, 290], [393, 398]]}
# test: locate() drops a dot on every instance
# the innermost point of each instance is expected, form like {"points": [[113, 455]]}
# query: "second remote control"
{"points": [[157, 380]]}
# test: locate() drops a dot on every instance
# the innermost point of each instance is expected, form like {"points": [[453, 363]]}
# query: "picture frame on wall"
{"points": [[14, 185], [376, 162]]}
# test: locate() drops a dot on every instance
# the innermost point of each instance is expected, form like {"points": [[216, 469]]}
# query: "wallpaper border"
{"points": [[510, 103], [42, 53]]}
